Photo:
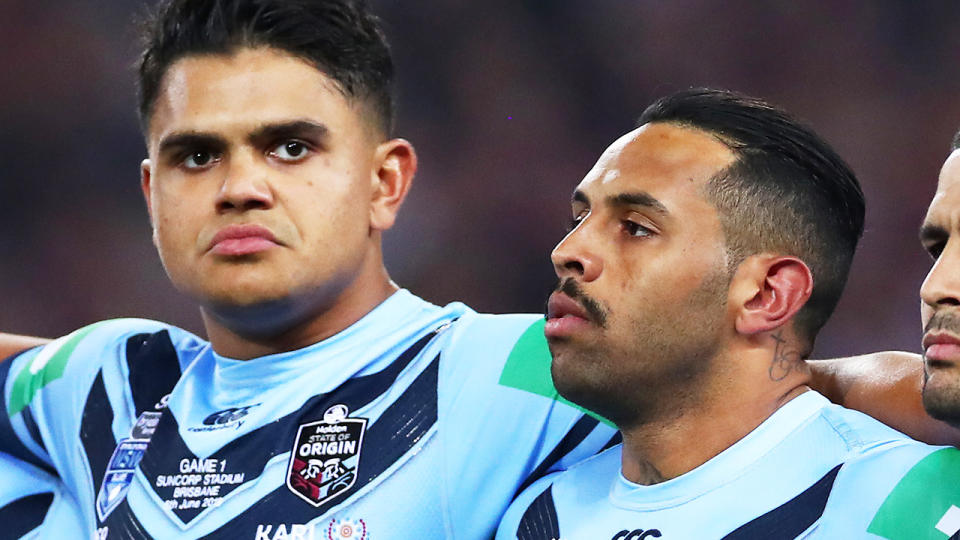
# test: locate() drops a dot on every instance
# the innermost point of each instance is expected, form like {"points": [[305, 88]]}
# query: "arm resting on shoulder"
{"points": [[887, 386], [11, 344]]}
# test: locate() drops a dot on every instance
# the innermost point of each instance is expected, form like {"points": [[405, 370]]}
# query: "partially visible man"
{"points": [[328, 402], [940, 295], [918, 395], [708, 248]]}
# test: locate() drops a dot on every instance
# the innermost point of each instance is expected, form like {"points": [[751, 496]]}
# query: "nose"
{"points": [[575, 256], [244, 188], [942, 285]]}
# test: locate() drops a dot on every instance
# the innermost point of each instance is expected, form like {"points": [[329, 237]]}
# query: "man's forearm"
{"points": [[887, 386], [11, 344]]}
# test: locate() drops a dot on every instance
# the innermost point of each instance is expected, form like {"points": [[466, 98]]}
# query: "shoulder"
{"points": [[584, 483], [895, 487], [540, 506], [859, 432], [82, 353], [924, 499], [478, 328], [504, 347]]}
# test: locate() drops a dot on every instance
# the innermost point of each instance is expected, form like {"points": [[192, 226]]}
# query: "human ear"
{"points": [[146, 179], [396, 164], [770, 290]]}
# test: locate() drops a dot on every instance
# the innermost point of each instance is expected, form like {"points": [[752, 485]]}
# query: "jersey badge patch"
{"points": [[325, 456], [123, 463], [346, 529]]}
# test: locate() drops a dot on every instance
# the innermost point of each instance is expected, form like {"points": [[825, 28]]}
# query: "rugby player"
{"points": [[940, 295], [328, 402], [708, 248]]}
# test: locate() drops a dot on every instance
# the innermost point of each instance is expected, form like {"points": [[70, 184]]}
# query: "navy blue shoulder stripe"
{"points": [[96, 433], [583, 427], [9, 441], [24, 514], [154, 368], [792, 517], [540, 522], [393, 434], [32, 429]]}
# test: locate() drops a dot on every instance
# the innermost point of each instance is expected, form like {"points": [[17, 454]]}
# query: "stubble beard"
{"points": [[659, 373], [942, 399]]}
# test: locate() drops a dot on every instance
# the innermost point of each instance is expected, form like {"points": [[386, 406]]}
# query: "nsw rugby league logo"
{"points": [[123, 464], [325, 456]]}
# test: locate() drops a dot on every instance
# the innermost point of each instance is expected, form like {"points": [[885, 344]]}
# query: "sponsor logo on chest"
{"points": [[336, 529], [325, 458]]}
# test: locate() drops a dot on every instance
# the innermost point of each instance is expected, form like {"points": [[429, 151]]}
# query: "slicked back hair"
{"points": [[787, 191], [341, 38]]}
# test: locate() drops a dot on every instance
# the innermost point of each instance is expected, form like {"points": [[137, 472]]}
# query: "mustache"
{"points": [[594, 309], [944, 320]]}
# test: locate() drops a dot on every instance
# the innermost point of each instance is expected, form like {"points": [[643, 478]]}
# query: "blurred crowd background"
{"points": [[509, 103]]}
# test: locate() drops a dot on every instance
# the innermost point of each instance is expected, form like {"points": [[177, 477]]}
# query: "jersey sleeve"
{"points": [[503, 425], [34, 504], [44, 391], [18, 445], [925, 501]]}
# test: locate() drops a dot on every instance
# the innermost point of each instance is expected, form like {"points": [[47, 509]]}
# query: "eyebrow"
{"points": [[190, 139], [294, 128], [279, 130], [633, 198], [933, 233]]}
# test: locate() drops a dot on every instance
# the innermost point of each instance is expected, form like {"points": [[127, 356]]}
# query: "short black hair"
{"points": [[341, 38], [955, 143], [787, 191]]}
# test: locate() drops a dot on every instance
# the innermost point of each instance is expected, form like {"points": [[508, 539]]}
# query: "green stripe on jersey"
{"points": [[924, 504], [528, 368], [47, 366]]}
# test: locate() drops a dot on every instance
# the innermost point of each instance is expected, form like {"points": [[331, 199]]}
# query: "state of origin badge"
{"points": [[325, 456]]}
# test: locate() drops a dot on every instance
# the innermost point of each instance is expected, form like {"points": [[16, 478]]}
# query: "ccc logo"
{"points": [[227, 415], [636, 534]]}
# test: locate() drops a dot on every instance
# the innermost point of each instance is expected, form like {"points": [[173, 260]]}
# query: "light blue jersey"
{"points": [[811, 470], [416, 422], [33, 503]]}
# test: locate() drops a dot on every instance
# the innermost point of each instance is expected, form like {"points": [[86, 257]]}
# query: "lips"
{"points": [[564, 316], [941, 348], [238, 240]]}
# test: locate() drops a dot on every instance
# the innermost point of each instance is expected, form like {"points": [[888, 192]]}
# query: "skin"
{"points": [[11, 344], [940, 295], [262, 138], [685, 355]]}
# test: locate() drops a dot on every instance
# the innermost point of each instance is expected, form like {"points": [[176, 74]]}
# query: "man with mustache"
{"points": [[328, 401], [707, 249], [940, 295]]}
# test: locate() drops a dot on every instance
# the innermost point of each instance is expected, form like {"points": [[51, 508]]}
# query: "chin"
{"points": [[941, 396], [581, 380]]}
